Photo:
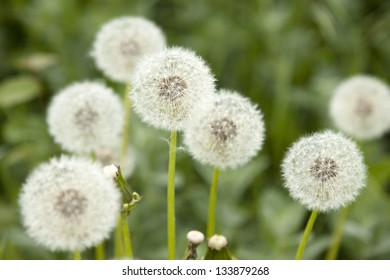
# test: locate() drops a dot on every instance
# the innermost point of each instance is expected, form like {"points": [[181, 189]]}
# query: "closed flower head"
{"points": [[360, 107], [85, 117], [170, 86], [324, 171], [69, 204], [122, 42], [228, 134]]}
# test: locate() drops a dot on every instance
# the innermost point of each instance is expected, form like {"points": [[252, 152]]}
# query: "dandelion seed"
{"points": [[170, 86], [120, 44], [228, 134], [69, 204], [324, 171], [360, 107], [85, 117]]}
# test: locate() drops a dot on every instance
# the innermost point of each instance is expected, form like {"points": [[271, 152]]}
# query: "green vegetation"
{"points": [[286, 56]]}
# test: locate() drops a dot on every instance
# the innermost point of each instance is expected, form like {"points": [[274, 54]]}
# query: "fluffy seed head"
{"points": [[85, 117], [324, 171], [170, 86], [69, 204], [360, 107], [228, 134], [121, 42], [217, 242]]}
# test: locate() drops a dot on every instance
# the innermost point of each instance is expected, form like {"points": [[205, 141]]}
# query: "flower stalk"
{"points": [[306, 234]]}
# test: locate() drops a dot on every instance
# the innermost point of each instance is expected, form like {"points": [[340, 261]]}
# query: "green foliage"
{"points": [[287, 56]]}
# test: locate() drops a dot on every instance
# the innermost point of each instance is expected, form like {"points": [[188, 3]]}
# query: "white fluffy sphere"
{"points": [[360, 107], [228, 134], [324, 171], [170, 86], [69, 204], [121, 42], [86, 117]]}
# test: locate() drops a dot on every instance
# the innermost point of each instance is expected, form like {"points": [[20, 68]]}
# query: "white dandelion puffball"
{"points": [[69, 204], [85, 117], [228, 134], [360, 107], [324, 171], [170, 86], [121, 42]]}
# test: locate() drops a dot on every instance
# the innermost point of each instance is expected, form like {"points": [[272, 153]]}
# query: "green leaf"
{"points": [[17, 90]]}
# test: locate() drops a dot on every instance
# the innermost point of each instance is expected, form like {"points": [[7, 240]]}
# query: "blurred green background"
{"points": [[287, 56]]}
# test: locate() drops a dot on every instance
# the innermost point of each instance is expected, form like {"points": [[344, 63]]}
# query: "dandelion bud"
{"points": [[120, 44], [217, 242], [111, 171], [228, 134], [85, 117], [218, 248], [361, 106], [170, 86], [324, 171], [69, 204], [195, 237]]}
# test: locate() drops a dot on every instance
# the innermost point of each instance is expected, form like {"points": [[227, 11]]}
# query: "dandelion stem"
{"points": [[126, 124], [306, 234], [171, 197], [126, 237], [99, 251], [76, 255], [337, 234], [118, 240], [212, 203]]}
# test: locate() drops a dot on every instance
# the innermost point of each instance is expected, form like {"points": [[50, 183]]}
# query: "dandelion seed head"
{"points": [[121, 42], [85, 117], [360, 107], [69, 204], [324, 171], [170, 86], [228, 134]]}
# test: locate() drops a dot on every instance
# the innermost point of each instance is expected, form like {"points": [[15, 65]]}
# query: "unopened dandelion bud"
{"points": [[217, 242], [360, 107], [218, 248], [195, 237], [111, 171], [324, 171]]}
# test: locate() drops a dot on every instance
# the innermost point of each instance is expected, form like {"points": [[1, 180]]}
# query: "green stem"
{"points": [[76, 255], [171, 197], [337, 233], [126, 237], [118, 241], [306, 234], [99, 251], [212, 203], [126, 125]]}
